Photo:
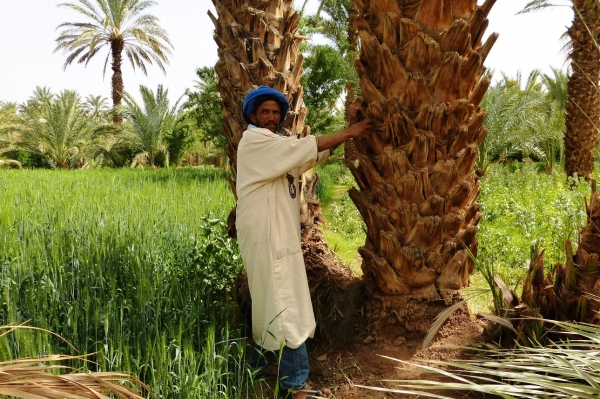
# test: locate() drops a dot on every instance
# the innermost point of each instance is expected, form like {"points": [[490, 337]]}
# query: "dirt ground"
{"points": [[365, 363]]}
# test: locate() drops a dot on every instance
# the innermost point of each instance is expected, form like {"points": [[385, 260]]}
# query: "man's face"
{"points": [[267, 115]]}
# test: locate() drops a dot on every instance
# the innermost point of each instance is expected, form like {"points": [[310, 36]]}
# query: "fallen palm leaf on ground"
{"points": [[36, 378], [569, 367]]}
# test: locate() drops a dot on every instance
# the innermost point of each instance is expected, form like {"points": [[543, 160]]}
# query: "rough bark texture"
{"points": [[350, 154], [258, 44], [422, 79], [116, 47], [583, 95]]}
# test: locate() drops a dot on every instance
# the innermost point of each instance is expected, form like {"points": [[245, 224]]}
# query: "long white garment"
{"points": [[268, 232]]}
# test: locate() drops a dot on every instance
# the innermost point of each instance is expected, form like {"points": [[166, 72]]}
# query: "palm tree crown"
{"points": [[151, 121], [120, 25], [56, 128]]}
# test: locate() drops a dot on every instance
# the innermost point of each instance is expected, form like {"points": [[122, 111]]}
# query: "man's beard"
{"points": [[271, 127]]}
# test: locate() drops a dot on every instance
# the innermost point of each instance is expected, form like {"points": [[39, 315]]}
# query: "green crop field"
{"points": [[131, 265], [134, 266]]}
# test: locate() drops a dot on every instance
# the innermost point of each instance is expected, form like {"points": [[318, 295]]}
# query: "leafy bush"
{"points": [[520, 206], [215, 261], [345, 218]]}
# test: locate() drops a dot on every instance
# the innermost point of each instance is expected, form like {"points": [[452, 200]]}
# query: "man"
{"points": [[268, 230]]}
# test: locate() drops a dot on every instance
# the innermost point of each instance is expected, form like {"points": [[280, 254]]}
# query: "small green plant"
{"points": [[214, 261]]}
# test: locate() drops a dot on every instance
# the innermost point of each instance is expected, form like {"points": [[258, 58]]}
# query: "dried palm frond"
{"points": [[37, 378], [567, 368], [9, 162]]}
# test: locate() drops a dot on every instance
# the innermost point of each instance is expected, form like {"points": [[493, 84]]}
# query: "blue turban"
{"points": [[258, 96]]}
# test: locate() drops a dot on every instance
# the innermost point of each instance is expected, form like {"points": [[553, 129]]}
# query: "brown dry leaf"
{"points": [[33, 379]]}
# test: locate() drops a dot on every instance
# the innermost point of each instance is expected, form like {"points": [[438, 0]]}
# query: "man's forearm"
{"points": [[332, 140]]}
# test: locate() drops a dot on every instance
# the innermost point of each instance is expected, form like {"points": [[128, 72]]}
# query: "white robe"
{"points": [[268, 231]]}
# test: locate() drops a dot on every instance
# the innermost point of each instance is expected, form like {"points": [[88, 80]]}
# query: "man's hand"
{"points": [[359, 129], [355, 130]]}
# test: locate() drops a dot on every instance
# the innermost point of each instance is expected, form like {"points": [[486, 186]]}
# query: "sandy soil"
{"points": [[368, 363]]}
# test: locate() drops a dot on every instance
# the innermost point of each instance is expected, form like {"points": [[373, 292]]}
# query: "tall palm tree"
{"points": [[151, 121], [120, 25], [583, 94], [422, 79]]}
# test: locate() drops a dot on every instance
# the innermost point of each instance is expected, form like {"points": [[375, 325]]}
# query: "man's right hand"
{"points": [[355, 130], [360, 129]]}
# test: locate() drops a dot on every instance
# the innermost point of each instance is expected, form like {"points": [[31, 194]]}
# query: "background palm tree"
{"points": [[150, 122], [9, 124], [97, 108], [525, 120], [120, 25], [56, 128], [583, 94]]}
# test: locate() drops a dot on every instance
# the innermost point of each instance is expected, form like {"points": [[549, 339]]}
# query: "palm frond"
{"points": [[565, 368], [37, 378]]}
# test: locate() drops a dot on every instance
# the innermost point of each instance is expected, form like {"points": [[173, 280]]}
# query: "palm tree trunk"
{"points": [[116, 47], [583, 95], [422, 78], [351, 94], [259, 45]]}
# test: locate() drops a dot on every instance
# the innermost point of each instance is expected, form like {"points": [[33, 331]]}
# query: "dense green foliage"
{"points": [[61, 130], [204, 105], [127, 264], [521, 205], [525, 119], [329, 66]]}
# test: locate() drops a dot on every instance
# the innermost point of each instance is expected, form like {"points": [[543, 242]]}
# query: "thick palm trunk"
{"points": [[258, 45], [582, 108], [421, 73], [117, 78]]}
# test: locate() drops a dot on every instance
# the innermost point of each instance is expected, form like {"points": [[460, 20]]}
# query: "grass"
{"points": [[131, 265], [344, 228]]}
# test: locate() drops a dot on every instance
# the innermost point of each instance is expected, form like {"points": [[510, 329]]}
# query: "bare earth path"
{"points": [[342, 370]]}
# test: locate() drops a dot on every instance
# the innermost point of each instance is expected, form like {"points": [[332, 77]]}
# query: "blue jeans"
{"points": [[293, 365]]}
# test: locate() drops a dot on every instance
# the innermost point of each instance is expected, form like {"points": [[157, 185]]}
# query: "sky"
{"points": [[28, 32]]}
